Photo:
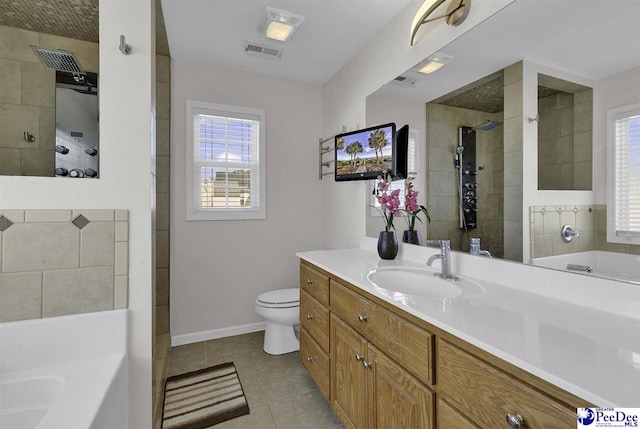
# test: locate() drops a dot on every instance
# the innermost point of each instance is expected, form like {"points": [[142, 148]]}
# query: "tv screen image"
{"points": [[365, 154]]}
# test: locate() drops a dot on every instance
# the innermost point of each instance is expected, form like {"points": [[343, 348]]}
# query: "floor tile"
{"points": [[266, 362], [237, 344], [259, 417], [189, 357], [286, 382], [309, 411]]}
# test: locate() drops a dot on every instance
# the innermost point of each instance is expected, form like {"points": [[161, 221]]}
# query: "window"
{"points": [[225, 162], [623, 175]]}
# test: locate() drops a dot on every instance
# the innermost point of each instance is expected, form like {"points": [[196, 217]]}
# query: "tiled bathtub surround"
{"points": [[590, 221], [59, 262]]}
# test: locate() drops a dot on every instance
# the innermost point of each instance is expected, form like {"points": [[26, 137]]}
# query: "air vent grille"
{"points": [[284, 16], [262, 51], [406, 81]]}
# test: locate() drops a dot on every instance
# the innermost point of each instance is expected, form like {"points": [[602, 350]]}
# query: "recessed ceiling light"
{"points": [[433, 62], [279, 24]]}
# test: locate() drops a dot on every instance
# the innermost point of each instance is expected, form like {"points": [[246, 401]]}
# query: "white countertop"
{"points": [[587, 351]]}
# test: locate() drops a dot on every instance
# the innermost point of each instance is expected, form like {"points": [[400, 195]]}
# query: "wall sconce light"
{"points": [[279, 24], [456, 13], [433, 62]]}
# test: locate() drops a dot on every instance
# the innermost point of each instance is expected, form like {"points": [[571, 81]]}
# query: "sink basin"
{"points": [[420, 282]]}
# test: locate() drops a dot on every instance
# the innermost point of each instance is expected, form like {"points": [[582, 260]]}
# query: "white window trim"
{"points": [[612, 237], [194, 214]]}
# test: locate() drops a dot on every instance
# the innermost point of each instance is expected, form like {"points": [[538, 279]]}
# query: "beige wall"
{"points": [[218, 268], [27, 99], [53, 265]]}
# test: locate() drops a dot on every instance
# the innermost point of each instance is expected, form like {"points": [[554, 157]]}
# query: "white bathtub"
{"points": [[617, 266], [65, 372]]}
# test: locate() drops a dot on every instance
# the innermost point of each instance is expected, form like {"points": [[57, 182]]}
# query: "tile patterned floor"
{"points": [[280, 392]]}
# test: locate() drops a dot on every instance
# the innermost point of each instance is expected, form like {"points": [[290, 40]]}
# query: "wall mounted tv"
{"points": [[366, 154]]}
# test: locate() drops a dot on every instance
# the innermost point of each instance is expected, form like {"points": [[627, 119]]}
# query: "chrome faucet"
{"points": [[474, 248], [445, 260], [567, 233]]}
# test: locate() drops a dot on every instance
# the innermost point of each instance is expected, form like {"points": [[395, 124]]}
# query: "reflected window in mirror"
{"points": [[623, 218], [565, 135]]}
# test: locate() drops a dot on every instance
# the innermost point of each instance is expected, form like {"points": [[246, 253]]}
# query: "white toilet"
{"points": [[281, 310]]}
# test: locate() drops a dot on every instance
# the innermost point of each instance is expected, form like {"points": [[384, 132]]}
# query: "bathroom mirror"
{"points": [[574, 47], [29, 92]]}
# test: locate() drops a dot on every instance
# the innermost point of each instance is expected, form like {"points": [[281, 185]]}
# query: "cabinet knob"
{"points": [[362, 318], [309, 358], [359, 357], [309, 281], [515, 421], [309, 316], [367, 365]]}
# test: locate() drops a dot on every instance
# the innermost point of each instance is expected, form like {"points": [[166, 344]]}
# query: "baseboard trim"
{"points": [[179, 340]]}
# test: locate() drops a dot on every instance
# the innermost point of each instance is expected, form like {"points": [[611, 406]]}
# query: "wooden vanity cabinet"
{"points": [[314, 325], [369, 390], [378, 368]]}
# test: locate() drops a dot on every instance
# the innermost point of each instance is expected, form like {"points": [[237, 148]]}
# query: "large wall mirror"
{"points": [[532, 85], [49, 89]]}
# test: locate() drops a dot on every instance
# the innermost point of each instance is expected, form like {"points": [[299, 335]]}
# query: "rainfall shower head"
{"points": [[487, 125], [58, 59]]}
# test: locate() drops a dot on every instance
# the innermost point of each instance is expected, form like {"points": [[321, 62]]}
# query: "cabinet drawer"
{"points": [[314, 318], [406, 343], [316, 361], [356, 311], [315, 283], [487, 394]]}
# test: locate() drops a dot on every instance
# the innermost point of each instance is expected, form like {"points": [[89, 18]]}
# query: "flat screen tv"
{"points": [[365, 154], [401, 156]]}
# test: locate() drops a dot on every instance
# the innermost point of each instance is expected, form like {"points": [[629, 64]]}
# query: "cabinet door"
{"points": [[396, 398], [348, 376]]}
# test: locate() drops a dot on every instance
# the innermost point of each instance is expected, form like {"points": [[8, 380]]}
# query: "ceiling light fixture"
{"points": [[433, 62], [457, 12], [279, 24]]}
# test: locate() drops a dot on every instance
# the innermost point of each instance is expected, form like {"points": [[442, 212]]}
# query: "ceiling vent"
{"points": [[262, 51], [405, 81]]}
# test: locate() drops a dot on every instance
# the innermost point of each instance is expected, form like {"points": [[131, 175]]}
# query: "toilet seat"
{"points": [[280, 298]]}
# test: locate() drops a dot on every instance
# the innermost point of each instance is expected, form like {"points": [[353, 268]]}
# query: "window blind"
{"points": [[627, 173], [226, 161]]}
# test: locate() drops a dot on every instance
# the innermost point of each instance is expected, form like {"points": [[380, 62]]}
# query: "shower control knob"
{"points": [[90, 172], [63, 150], [470, 185], [62, 171], [467, 211], [76, 172], [473, 173], [91, 151]]}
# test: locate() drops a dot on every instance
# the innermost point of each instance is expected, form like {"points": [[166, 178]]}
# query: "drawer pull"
{"points": [[362, 318], [309, 316], [515, 421], [309, 358], [359, 357], [367, 365], [309, 281]]}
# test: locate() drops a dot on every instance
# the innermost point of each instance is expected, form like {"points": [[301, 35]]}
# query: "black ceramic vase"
{"points": [[387, 245], [412, 237]]}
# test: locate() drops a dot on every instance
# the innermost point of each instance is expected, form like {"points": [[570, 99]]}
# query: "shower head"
{"points": [[459, 150], [487, 125], [58, 59]]}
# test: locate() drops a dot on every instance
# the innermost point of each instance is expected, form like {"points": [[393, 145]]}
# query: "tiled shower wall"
{"points": [[442, 193], [590, 221], [27, 99], [60, 262]]}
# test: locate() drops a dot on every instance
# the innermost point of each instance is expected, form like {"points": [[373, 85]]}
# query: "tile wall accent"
{"points": [[59, 262], [590, 221]]}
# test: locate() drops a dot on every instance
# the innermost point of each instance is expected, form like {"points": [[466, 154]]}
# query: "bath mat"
{"points": [[203, 398]]}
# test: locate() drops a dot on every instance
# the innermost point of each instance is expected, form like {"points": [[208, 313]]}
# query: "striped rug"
{"points": [[203, 398]]}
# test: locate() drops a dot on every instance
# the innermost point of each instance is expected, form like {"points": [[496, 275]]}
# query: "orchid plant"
{"points": [[411, 207], [389, 203]]}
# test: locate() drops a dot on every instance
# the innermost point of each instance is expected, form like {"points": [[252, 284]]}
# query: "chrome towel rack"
{"points": [[323, 150]]}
